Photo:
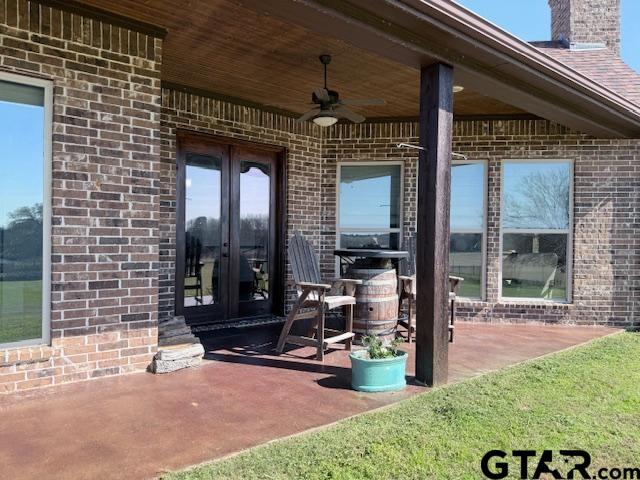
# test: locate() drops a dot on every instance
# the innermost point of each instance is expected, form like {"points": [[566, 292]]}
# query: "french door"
{"points": [[229, 224]]}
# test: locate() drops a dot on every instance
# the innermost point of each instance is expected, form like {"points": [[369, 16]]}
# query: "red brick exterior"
{"points": [[606, 264], [106, 152], [586, 21], [114, 158]]}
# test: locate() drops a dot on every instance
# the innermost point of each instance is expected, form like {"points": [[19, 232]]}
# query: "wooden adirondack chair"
{"points": [[312, 294], [407, 283]]}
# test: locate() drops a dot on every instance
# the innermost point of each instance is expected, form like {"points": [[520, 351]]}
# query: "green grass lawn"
{"points": [[586, 398], [20, 310]]}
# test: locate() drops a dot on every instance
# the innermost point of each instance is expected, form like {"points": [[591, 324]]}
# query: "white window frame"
{"points": [[567, 231], [47, 87], [398, 230], [483, 230]]}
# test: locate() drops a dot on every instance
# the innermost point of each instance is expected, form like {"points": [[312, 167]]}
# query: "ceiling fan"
{"points": [[330, 107]]}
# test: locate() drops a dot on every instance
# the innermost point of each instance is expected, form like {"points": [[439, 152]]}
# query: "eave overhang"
{"points": [[485, 58]]}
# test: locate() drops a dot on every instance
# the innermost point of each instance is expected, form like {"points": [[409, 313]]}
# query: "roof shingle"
{"points": [[601, 65]]}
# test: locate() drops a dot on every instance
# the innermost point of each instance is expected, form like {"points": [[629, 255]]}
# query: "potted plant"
{"points": [[380, 367]]}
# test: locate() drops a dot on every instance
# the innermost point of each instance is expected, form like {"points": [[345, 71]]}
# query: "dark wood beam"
{"points": [[432, 252]]}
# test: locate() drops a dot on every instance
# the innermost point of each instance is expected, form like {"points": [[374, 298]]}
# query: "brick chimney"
{"points": [[576, 22]]}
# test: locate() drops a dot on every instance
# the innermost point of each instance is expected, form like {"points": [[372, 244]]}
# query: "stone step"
{"points": [[168, 366], [173, 332], [177, 340], [181, 351], [178, 321], [176, 357]]}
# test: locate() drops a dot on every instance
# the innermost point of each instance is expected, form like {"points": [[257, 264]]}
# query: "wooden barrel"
{"points": [[376, 310]]}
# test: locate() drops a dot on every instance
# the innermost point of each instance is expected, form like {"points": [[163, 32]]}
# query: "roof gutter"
{"points": [[478, 28]]}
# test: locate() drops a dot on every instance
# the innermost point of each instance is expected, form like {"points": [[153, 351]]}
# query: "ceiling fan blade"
{"points": [[344, 112], [311, 113], [364, 101], [322, 94]]}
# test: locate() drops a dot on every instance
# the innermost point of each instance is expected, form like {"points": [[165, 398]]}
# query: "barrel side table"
{"points": [[376, 311]]}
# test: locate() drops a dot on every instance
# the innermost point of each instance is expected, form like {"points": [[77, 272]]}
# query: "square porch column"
{"points": [[432, 243]]}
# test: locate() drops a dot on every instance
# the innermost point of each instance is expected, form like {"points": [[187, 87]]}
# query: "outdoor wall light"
{"points": [[325, 119]]}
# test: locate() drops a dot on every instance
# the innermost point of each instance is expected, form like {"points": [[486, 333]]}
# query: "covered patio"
{"points": [[140, 426], [241, 86]]}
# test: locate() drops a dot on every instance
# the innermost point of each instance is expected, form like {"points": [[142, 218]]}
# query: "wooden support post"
{"points": [[432, 252]]}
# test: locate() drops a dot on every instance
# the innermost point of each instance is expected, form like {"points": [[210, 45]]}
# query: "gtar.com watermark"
{"points": [[561, 464]]}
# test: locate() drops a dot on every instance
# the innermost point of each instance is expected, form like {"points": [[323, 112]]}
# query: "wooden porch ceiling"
{"points": [[230, 50]]}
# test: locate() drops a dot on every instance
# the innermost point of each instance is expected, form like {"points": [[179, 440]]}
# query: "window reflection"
{"points": [[536, 195], [370, 240], [536, 211], [202, 230], [467, 226], [535, 266], [370, 206], [370, 196], [21, 211], [465, 260], [255, 201]]}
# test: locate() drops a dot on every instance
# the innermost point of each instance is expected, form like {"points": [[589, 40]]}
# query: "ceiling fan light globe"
{"points": [[325, 120]]}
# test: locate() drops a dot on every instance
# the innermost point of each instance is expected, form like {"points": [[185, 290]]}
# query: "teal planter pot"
{"points": [[377, 375]]}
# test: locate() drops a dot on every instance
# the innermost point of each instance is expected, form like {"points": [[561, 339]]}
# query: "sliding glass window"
{"points": [[24, 210], [468, 225], [536, 229], [370, 205]]}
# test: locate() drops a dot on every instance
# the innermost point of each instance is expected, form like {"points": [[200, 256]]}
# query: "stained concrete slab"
{"points": [[138, 426]]}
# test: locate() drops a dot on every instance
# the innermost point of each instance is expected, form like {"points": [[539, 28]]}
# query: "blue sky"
{"points": [[531, 20], [21, 157], [467, 196], [203, 193]]}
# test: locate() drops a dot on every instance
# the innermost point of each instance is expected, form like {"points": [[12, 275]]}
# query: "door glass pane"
{"points": [[21, 216], [370, 196], [202, 230], [535, 265], [255, 195]]}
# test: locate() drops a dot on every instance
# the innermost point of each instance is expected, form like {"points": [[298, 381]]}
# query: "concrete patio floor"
{"points": [[141, 425]]}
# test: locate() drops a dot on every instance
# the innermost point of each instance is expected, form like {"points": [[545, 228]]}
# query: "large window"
{"points": [[24, 210], [536, 229], [370, 205], [468, 217]]}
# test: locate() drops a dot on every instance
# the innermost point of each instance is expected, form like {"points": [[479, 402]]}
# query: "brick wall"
{"points": [[606, 266], [114, 157], [208, 115], [106, 167], [586, 21]]}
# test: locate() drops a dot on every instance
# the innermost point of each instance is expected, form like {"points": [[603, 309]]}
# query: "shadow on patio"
{"points": [[138, 426]]}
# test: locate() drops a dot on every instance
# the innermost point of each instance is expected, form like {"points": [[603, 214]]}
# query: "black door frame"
{"points": [[187, 141]]}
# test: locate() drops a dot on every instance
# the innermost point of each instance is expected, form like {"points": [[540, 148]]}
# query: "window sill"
{"points": [[24, 355], [516, 302], [524, 302], [471, 302]]}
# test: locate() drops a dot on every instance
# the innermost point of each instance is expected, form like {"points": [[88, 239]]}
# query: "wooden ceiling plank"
{"points": [[221, 47]]}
